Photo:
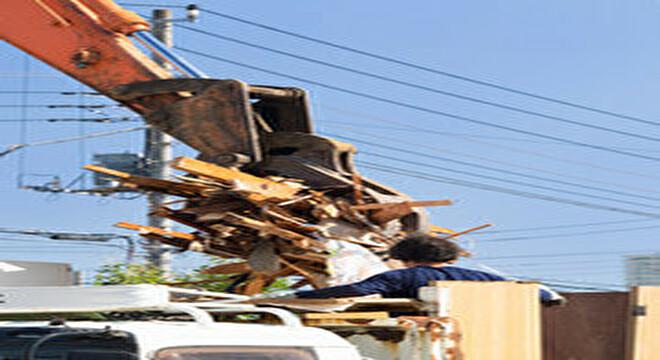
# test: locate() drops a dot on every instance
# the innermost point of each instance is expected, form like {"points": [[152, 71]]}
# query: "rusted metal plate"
{"points": [[592, 326]]}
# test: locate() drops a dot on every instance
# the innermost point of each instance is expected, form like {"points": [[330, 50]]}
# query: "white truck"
{"points": [[195, 336], [454, 320]]}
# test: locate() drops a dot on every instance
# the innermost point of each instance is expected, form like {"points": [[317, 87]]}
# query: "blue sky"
{"points": [[597, 53]]}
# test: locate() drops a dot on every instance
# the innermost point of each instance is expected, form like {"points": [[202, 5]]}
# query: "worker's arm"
{"points": [[378, 284]]}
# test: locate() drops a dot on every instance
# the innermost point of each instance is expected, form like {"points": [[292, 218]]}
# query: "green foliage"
{"points": [[130, 274]]}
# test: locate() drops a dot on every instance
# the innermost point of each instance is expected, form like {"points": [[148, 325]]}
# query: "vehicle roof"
{"points": [[155, 335]]}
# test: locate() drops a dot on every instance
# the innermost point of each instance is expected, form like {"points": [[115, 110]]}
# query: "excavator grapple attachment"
{"points": [[263, 130], [222, 119]]}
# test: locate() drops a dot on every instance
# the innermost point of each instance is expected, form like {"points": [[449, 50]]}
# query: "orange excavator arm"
{"points": [[264, 130], [86, 39]]}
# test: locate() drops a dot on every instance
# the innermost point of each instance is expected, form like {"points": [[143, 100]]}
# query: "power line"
{"points": [[16, 147], [465, 163], [553, 227], [23, 129], [53, 92], [558, 263], [562, 255], [563, 175], [482, 176], [40, 244], [78, 119], [516, 150], [566, 281], [431, 70], [581, 271], [62, 106], [552, 236], [450, 134], [526, 194], [421, 108], [421, 87]]}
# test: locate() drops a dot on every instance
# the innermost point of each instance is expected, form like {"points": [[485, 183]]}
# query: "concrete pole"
{"points": [[158, 153]]}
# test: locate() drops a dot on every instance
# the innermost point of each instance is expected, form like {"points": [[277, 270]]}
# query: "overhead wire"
{"points": [[558, 263], [516, 150], [499, 189], [567, 281], [82, 144], [555, 227], [44, 92], [450, 134], [16, 147], [515, 182], [105, 120], [479, 166], [419, 108], [563, 175], [562, 255], [23, 130], [58, 243], [62, 106], [419, 86], [574, 234], [427, 68]]}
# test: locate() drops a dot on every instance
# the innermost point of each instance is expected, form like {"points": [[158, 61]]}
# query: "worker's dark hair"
{"points": [[425, 248]]}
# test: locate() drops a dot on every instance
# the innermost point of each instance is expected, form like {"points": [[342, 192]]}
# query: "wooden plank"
{"points": [[497, 320], [343, 318], [151, 184], [357, 188], [255, 284], [298, 239], [380, 206], [438, 229], [348, 315], [266, 188], [182, 219], [154, 230], [233, 268], [388, 214], [384, 213], [644, 324], [176, 242], [480, 227], [313, 279]]}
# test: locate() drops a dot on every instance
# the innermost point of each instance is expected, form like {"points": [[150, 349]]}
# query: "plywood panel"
{"points": [[497, 320], [644, 324], [591, 326]]}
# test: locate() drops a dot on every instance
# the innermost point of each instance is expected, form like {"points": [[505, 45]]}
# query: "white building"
{"points": [[33, 273], [643, 270]]}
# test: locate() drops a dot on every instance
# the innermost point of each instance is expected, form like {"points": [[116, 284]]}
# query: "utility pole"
{"points": [[158, 153]]}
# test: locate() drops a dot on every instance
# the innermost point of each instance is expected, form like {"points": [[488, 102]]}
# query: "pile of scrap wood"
{"points": [[278, 226]]}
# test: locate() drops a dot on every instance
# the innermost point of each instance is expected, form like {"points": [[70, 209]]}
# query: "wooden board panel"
{"points": [[644, 325], [266, 189], [496, 320], [591, 326]]}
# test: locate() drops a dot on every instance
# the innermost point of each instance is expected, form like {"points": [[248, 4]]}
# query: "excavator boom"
{"points": [[86, 39], [263, 130]]}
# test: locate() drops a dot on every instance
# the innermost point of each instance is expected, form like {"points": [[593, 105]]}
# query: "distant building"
{"points": [[33, 273], [643, 270]]}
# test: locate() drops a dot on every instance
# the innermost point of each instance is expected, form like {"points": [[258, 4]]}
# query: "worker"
{"points": [[426, 258]]}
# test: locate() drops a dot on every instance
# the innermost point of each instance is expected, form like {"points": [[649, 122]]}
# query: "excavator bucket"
{"points": [[263, 130]]}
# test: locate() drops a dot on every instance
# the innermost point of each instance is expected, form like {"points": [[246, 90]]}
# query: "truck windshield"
{"points": [[50, 343], [236, 353]]}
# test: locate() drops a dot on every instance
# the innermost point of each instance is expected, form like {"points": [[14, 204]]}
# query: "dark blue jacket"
{"points": [[404, 283]]}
